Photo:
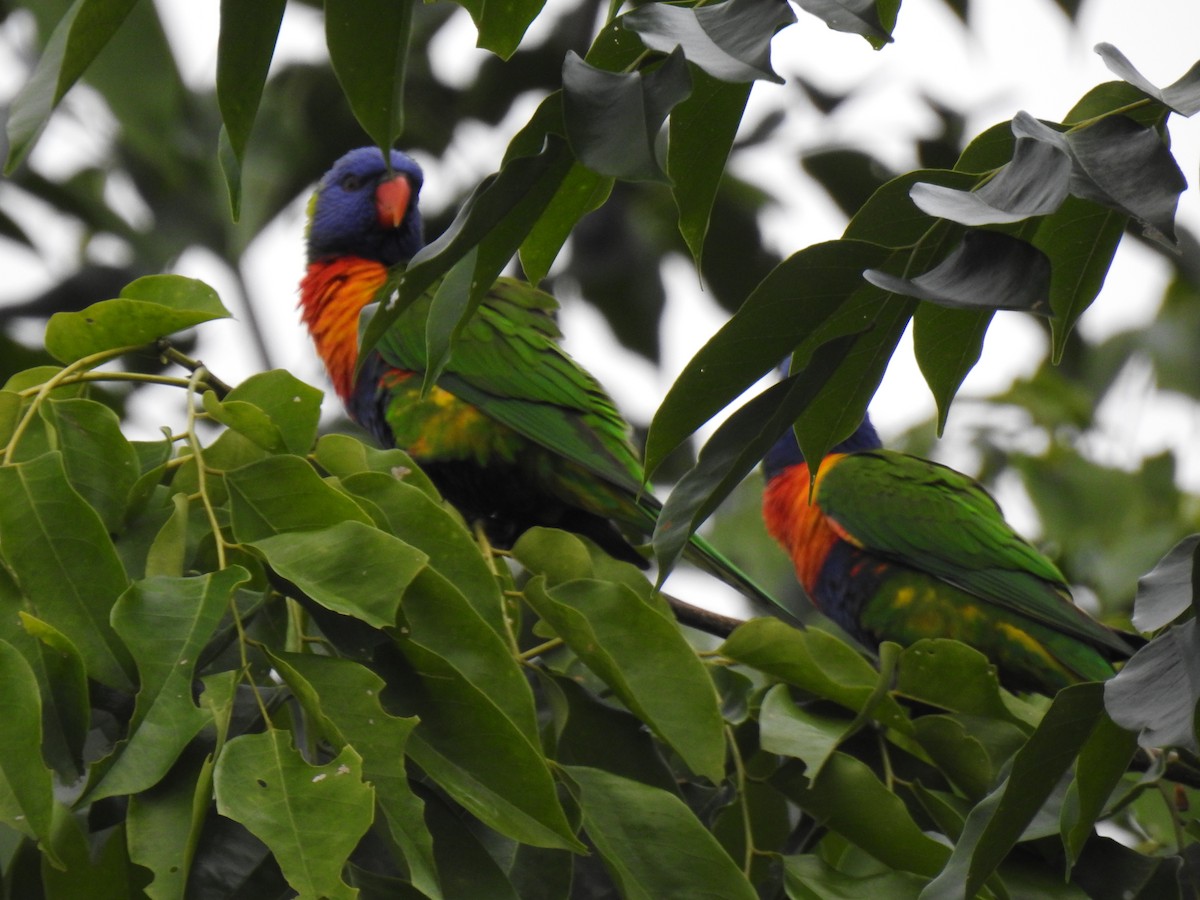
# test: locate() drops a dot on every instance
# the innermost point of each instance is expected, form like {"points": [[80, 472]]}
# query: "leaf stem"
{"points": [[739, 768]]}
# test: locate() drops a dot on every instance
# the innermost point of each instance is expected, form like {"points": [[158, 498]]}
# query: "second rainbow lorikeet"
{"points": [[514, 433], [897, 548]]}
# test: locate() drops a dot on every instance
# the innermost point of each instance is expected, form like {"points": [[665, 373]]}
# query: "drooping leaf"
{"points": [[66, 704], [1183, 96], [580, 192], [310, 816], [26, 784], [811, 878], [166, 622], [988, 270], [351, 568], [1102, 763], [638, 651], [613, 118], [873, 19], [149, 308], [1169, 590], [64, 561], [244, 51], [502, 25], [84, 30], [1156, 691], [163, 826], [947, 344], [730, 41], [663, 850], [368, 48], [796, 731]]}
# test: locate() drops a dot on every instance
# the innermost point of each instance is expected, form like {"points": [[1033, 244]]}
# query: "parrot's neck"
{"points": [[332, 294], [798, 523]]}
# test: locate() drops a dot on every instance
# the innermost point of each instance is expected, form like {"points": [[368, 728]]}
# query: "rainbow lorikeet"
{"points": [[514, 433], [897, 548]]}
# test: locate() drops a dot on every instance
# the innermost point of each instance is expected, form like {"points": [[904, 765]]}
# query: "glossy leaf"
{"points": [[502, 25], [147, 309], [730, 41], [872, 19], [637, 650], [996, 823], [166, 622], [1169, 590], [344, 697], [84, 30], [947, 343], [244, 51], [26, 784], [350, 568], [1183, 96], [368, 48], [283, 493], [613, 118], [663, 850], [310, 816], [988, 270], [1155, 693], [60, 553]]}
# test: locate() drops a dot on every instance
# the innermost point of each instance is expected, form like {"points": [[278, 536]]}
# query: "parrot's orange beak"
{"points": [[391, 201]]}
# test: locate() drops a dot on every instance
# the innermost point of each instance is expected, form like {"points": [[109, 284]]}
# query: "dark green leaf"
{"points": [[368, 48], [811, 878], [1102, 763], [292, 409], [988, 270], [1155, 693], [80, 35], [1126, 165], [502, 25], [147, 309], [613, 118], [997, 822], [581, 192], [350, 568], [66, 705], [662, 850], [166, 622], [163, 826], [797, 731], [730, 41], [637, 650], [283, 493], [61, 556], [1183, 96], [952, 676], [244, 51], [1169, 590], [26, 784], [873, 19], [947, 344], [342, 456], [310, 816]]}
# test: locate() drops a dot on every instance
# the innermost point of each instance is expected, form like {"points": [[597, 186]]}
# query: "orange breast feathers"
{"points": [[332, 294], [805, 532]]}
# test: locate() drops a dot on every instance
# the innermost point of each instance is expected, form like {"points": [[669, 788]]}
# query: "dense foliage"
{"points": [[246, 660]]}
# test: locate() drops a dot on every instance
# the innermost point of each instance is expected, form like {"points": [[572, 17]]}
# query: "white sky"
{"points": [[1019, 55]]}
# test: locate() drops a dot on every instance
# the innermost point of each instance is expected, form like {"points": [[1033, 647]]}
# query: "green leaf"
{"points": [[793, 302], [292, 409], [84, 30], [836, 799], [341, 455], [95, 866], [1101, 765], [663, 851], [66, 704], [811, 878], [282, 494], [947, 344], [502, 25], [1155, 693], [988, 270], [638, 651], [1169, 590], [311, 817], [797, 731], [344, 697], [580, 192], [166, 622], [1183, 96], [27, 789], [62, 558], [818, 663], [368, 48], [702, 130], [951, 675], [100, 463], [163, 826], [244, 51], [996, 823], [873, 19], [422, 522], [613, 118], [149, 308], [169, 549], [478, 733], [730, 41], [350, 568]]}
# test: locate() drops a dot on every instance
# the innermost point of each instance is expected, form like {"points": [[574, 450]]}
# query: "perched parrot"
{"points": [[896, 548], [514, 433]]}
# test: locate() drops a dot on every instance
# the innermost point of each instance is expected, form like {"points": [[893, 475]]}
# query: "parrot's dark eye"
{"points": [[350, 182]]}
